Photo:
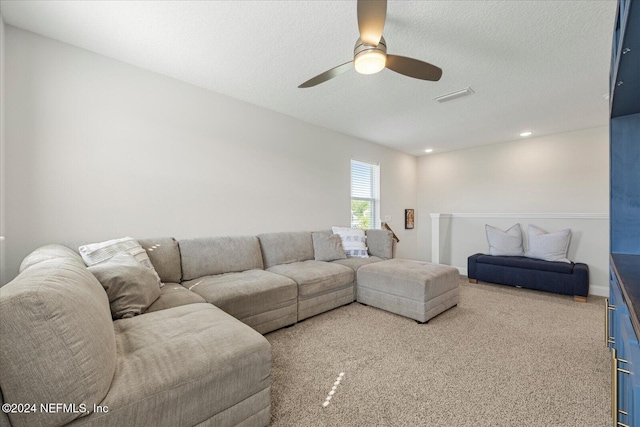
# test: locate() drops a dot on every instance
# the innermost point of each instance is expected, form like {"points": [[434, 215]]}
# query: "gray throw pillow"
{"points": [[505, 243], [327, 247], [130, 286], [548, 246]]}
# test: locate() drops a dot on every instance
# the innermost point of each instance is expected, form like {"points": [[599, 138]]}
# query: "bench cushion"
{"points": [[527, 263], [549, 276]]}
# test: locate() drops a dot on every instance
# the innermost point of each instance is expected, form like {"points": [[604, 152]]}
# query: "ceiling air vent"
{"points": [[453, 95]]}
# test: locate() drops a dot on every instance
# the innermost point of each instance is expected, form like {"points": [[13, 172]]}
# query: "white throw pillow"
{"points": [[505, 243], [96, 253], [548, 246], [353, 241]]}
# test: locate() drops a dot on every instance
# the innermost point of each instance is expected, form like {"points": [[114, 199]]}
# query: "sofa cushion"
{"points": [[58, 343], [182, 366], [246, 293], [130, 286], [548, 246], [528, 263], [327, 247], [47, 252], [316, 277], [286, 247], [380, 243], [206, 256], [174, 295], [504, 243], [164, 254], [356, 263], [95, 253]]}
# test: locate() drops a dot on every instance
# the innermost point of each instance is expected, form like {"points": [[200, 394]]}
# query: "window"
{"points": [[365, 195]]}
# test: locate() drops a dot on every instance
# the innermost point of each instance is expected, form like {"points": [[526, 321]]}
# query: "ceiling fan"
{"points": [[370, 54]]}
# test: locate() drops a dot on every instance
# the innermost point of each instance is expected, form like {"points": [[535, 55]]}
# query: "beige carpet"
{"points": [[502, 357]]}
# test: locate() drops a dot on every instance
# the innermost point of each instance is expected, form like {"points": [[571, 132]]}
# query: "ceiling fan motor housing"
{"points": [[361, 47], [369, 59]]}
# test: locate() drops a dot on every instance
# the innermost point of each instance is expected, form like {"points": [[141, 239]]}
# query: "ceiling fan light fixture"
{"points": [[370, 52], [370, 61]]}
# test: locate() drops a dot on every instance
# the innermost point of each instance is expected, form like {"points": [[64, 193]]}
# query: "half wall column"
{"points": [[438, 222]]}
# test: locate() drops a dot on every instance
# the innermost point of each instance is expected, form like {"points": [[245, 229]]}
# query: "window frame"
{"points": [[374, 167]]}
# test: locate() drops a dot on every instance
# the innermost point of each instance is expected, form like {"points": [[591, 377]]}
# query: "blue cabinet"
{"points": [[622, 339], [622, 325], [616, 309], [634, 382], [624, 364]]}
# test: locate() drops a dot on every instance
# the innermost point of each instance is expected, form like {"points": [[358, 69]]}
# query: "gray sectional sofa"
{"points": [[195, 357]]}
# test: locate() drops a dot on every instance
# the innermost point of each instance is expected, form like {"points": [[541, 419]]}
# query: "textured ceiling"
{"points": [[534, 65]]}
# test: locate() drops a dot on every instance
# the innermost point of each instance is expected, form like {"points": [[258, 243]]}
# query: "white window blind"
{"points": [[365, 195]]}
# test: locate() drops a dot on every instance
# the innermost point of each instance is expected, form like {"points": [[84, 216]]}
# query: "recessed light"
{"points": [[527, 133], [429, 150]]}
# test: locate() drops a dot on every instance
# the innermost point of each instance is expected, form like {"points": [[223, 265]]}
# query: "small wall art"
{"points": [[409, 217]]}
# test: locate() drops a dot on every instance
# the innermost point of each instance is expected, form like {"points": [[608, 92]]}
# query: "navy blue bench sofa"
{"points": [[558, 277]]}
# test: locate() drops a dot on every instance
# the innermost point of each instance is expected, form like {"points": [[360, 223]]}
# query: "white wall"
{"points": [[98, 149], [555, 182]]}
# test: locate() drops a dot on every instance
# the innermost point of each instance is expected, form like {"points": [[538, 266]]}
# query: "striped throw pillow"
{"points": [[96, 253], [353, 241]]}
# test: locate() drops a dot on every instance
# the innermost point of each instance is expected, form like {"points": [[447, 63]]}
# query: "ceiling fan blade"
{"points": [[413, 68], [327, 75], [371, 17]]}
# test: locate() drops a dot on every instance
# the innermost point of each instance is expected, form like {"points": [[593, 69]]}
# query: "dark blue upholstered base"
{"points": [[557, 277]]}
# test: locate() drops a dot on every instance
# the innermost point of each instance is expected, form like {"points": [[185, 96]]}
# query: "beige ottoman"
{"points": [[415, 289]]}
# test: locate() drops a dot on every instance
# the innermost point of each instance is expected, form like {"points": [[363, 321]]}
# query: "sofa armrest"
{"points": [[581, 275], [471, 266]]}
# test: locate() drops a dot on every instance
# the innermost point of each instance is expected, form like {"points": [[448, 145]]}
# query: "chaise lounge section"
{"points": [[188, 365]]}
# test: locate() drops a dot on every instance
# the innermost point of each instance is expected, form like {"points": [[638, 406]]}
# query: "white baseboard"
{"points": [[599, 290], [462, 270]]}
